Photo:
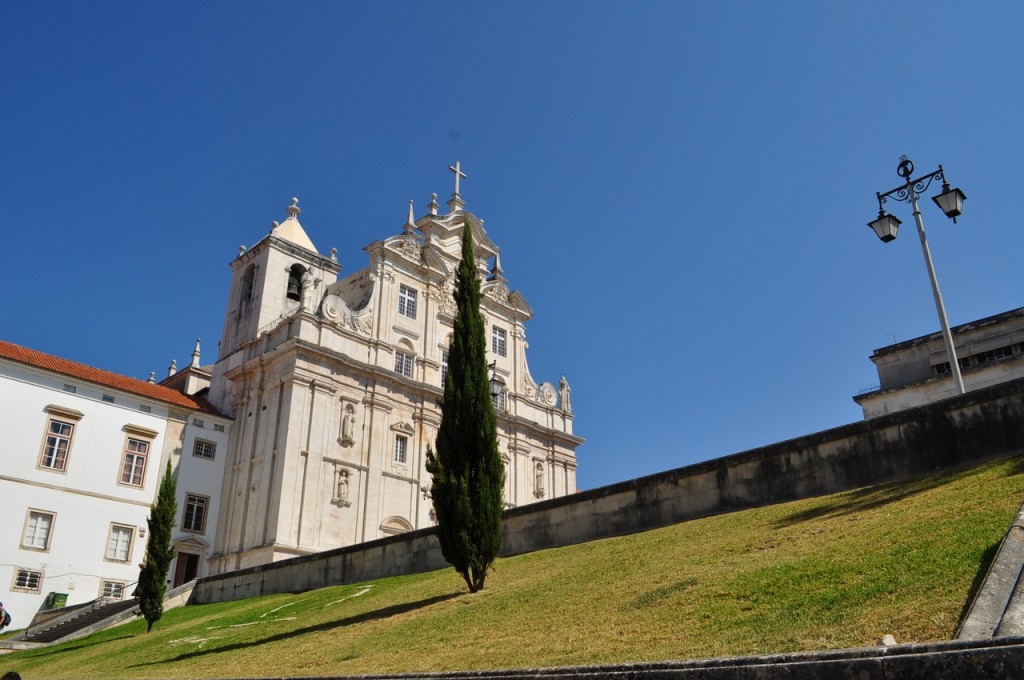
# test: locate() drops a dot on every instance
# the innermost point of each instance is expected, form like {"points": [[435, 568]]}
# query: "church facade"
{"points": [[335, 384], [308, 433]]}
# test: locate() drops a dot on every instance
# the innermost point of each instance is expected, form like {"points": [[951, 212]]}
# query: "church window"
{"points": [[499, 341], [401, 444], [133, 471], [37, 531], [28, 580], [407, 301], [403, 363], [204, 449], [444, 367], [57, 444], [499, 401], [248, 279], [112, 589], [194, 517], [119, 543], [294, 291]]}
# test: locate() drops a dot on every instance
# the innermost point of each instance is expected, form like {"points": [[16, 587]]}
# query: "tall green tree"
{"points": [[468, 477], [159, 551]]}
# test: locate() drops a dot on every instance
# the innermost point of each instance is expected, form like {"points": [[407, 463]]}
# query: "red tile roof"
{"points": [[30, 357]]}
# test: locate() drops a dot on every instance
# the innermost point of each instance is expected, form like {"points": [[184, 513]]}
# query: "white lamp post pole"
{"points": [[886, 226]]}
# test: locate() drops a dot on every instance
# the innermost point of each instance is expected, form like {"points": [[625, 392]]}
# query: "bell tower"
{"points": [[282, 274]]}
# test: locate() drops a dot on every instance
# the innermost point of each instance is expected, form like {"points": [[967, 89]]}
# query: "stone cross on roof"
{"points": [[458, 173]]}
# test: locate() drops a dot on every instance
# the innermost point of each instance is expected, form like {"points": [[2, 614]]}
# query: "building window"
{"points": [[112, 589], [70, 388], [37, 531], [401, 444], [444, 367], [194, 517], [407, 301], [145, 409], [198, 422], [403, 363], [27, 580], [499, 401], [108, 399], [57, 444], [204, 449], [119, 545], [499, 343], [133, 472], [218, 428]]}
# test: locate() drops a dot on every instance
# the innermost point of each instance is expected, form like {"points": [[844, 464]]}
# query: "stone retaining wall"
{"points": [[977, 426]]}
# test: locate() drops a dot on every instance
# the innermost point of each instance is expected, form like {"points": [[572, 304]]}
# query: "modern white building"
{"points": [[917, 372], [308, 433], [83, 454]]}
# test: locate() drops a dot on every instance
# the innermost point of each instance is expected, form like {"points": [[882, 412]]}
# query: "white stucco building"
{"points": [[83, 454], [308, 433], [916, 371]]}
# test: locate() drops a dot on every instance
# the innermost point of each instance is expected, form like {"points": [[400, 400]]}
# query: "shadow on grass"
{"points": [[872, 497], [384, 613], [63, 648], [979, 580]]}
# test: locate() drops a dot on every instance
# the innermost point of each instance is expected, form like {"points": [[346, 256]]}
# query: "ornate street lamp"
{"points": [[885, 226]]}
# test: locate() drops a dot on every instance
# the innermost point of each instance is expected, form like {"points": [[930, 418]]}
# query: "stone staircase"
{"points": [[84, 619], [998, 607]]}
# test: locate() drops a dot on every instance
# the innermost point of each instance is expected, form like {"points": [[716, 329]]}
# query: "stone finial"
{"points": [[334, 254], [496, 269], [173, 368], [293, 209], [433, 206], [241, 250], [274, 225], [152, 377], [195, 355], [410, 221]]}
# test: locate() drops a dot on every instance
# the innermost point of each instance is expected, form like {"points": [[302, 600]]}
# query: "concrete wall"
{"points": [[981, 425]]}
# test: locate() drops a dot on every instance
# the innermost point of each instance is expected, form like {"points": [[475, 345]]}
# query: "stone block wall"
{"points": [[981, 425]]}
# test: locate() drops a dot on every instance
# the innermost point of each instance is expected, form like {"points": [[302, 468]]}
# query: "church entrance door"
{"points": [[185, 569]]}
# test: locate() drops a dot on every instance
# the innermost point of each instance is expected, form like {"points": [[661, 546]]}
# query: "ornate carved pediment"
{"points": [[403, 427], [334, 310]]}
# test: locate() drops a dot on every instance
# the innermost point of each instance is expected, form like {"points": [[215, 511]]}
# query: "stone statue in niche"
{"points": [[308, 284], [538, 480], [341, 489], [348, 427], [563, 394]]}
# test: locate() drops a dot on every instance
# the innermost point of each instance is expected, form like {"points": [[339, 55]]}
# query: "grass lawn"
{"points": [[835, 571]]}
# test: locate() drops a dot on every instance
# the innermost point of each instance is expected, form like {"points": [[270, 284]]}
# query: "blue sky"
{"points": [[679, 189]]}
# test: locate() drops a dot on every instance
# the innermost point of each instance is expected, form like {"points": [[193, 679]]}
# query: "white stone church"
{"points": [[308, 433]]}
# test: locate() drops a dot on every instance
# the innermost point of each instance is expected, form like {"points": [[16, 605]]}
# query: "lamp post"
{"points": [[951, 201]]}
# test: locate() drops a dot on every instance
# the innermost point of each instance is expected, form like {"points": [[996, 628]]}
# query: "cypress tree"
{"points": [[468, 477], [159, 551]]}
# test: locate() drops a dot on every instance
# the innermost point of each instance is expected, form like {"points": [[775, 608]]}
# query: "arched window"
{"points": [[248, 280], [395, 525], [294, 291]]}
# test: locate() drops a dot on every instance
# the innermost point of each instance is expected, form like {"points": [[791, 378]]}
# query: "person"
{"points": [[5, 617], [11, 675]]}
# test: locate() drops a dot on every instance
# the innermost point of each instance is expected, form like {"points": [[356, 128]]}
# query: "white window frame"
{"points": [[195, 500], [51, 452], [499, 341], [27, 576], [406, 301], [38, 530], [403, 363], [401, 454], [202, 444], [134, 462], [112, 551]]}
